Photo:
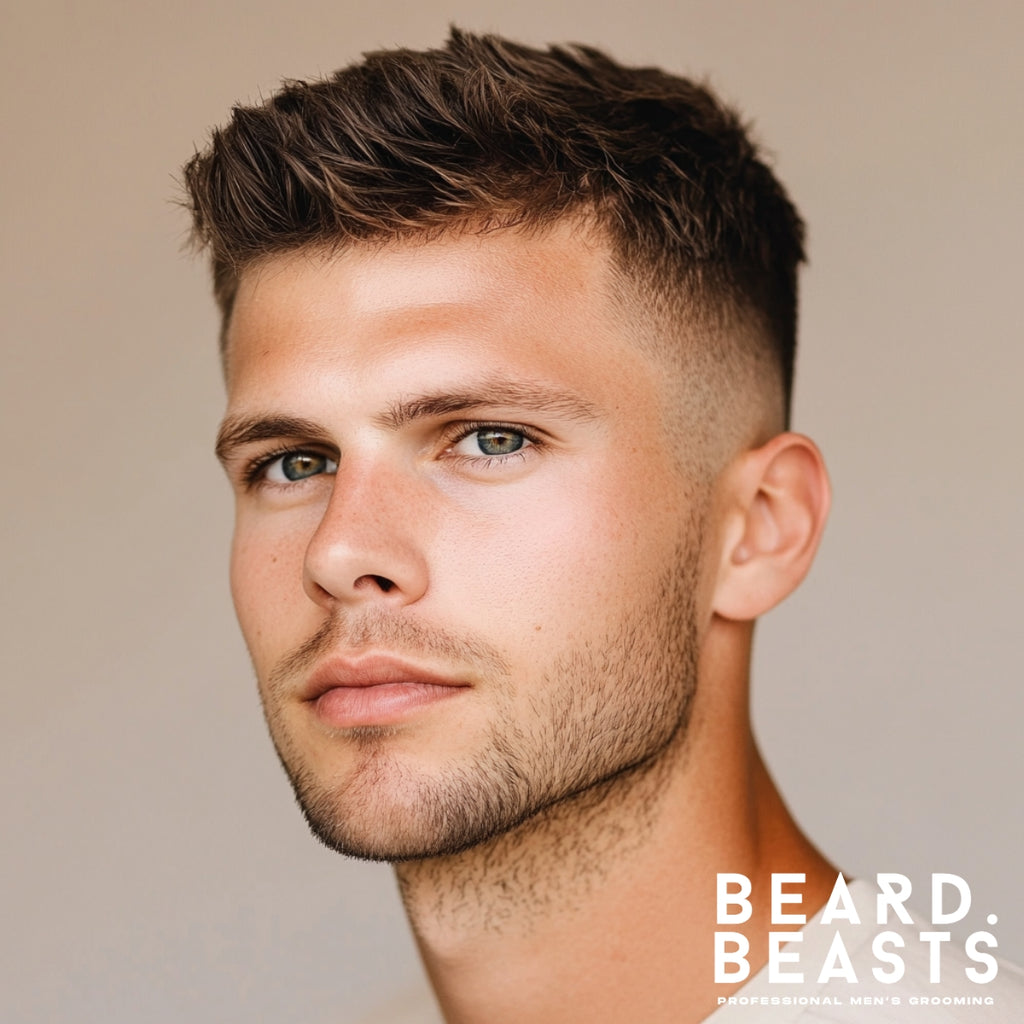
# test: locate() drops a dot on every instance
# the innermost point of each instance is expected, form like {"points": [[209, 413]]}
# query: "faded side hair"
{"points": [[484, 133]]}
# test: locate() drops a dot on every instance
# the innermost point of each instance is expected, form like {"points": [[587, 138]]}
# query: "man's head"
{"points": [[507, 334]]}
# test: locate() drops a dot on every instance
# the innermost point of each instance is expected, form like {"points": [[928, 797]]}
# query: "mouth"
{"points": [[374, 690]]}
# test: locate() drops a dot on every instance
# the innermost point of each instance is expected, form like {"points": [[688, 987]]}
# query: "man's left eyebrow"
{"points": [[237, 431], [513, 394]]}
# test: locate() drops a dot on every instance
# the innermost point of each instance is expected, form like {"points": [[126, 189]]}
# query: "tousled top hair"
{"points": [[487, 132]]}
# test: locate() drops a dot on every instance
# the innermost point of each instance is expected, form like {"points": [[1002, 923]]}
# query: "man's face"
{"points": [[465, 559]]}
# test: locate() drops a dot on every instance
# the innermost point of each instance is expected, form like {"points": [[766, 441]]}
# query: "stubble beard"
{"points": [[607, 710]]}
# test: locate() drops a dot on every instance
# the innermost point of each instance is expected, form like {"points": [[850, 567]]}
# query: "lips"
{"points": [[374, 689]]}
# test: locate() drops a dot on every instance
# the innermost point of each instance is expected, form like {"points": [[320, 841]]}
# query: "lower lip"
{"points": [[346, 707]]}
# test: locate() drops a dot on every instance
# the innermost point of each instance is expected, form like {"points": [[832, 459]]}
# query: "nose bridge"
{"points": [[369, 542]]}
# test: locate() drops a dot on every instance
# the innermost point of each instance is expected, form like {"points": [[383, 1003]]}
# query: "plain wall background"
{"points": [[153, 866]]}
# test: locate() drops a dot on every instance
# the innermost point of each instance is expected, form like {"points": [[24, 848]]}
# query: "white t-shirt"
{"points": [[954, 999], [413, 1005]]}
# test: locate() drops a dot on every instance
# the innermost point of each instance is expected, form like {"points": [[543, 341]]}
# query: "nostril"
{"points": [[381, 581]]}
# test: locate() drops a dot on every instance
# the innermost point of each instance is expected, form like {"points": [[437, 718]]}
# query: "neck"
{"points": [[602, 908]]}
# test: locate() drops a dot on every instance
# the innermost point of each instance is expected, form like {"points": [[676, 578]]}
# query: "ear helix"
{"points": [[779, 500]]}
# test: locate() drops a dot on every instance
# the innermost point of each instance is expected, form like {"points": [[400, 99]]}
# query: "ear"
{"points": [[776, 500]]}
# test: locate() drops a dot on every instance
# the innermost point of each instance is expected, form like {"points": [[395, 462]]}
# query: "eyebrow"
{"points": [[237, 431], [521, 394]]}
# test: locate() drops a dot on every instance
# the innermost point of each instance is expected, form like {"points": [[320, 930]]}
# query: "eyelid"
{"points": [[460, 431]]}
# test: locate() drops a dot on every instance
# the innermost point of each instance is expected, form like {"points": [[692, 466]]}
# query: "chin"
{"points": [[388, 811]]}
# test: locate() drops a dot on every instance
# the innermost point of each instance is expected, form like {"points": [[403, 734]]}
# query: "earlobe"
{"points": [[776, 500]]}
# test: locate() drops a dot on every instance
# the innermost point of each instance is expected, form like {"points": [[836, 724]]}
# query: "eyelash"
{"points": [[461, 431], [253, 473]]}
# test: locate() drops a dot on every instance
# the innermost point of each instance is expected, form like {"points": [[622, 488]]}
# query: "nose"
{"points": [[368, 546]]}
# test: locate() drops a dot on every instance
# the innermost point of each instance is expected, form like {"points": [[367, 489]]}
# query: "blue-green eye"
{"points": [[492, 442], [296, 466], [499, 442]]}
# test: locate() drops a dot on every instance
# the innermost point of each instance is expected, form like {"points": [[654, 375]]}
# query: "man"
{"points": [[508, 337]]}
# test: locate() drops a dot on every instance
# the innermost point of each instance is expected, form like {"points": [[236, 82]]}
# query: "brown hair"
{"points": [[489, 132]]}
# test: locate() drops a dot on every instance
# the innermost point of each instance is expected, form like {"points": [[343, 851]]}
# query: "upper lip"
{"points": [[372, 669]]}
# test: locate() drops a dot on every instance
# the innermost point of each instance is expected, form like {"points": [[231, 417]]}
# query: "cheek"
{"points": [[266, 586], [567, 559]]}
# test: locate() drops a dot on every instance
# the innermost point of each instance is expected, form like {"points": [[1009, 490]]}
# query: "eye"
{"points": [[492, 441], [295, 466]]}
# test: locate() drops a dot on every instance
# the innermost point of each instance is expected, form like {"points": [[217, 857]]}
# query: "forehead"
{"points": [[503, 301]]}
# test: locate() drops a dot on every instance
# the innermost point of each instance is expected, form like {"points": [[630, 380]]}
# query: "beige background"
{"points": [[153, 866]]}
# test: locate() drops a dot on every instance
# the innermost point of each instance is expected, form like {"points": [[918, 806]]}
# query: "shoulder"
{"points": [[412, 1005]]}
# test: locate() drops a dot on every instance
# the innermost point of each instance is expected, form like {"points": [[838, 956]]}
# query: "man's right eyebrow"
{"points": [[237, 431]]}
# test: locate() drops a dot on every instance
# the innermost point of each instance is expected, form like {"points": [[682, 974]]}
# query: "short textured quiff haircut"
{"points": [[485, 133]]}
